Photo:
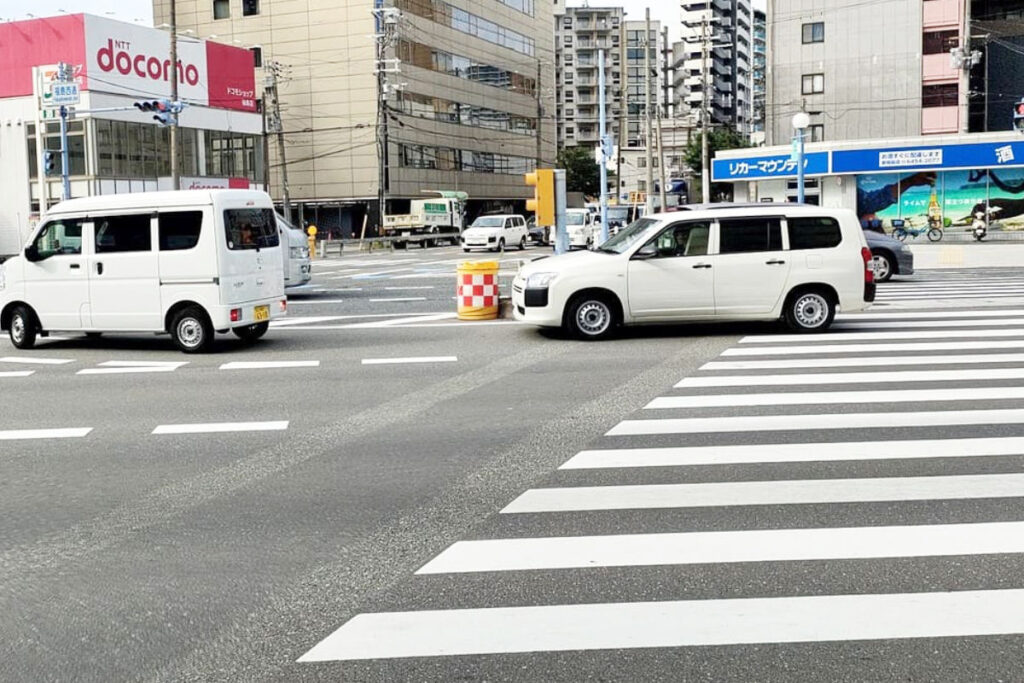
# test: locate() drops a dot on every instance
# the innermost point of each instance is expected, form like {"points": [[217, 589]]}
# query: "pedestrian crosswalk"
{"points": [[933, 285], [788, 450]]}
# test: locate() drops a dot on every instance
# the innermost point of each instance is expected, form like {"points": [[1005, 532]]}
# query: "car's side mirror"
{"points": [[32, 253], [647, 251]]}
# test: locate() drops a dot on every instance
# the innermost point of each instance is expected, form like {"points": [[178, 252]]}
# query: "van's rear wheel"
{"points": [[192, 331], [809, 311], [251, 333], [24, 328]]}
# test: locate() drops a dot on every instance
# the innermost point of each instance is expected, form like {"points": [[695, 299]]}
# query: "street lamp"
{"points": [[800, 123]]}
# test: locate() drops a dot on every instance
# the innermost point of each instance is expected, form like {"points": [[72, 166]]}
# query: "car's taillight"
{"points": [[236, 314], [284, 305], [869, 272]]}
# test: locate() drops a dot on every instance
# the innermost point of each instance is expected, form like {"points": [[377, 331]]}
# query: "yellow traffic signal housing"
{"points": [[543, 203]]}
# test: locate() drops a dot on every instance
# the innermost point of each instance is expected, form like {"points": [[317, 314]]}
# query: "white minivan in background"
{"points": [[298, 269], [708, 262], [187, 263]]}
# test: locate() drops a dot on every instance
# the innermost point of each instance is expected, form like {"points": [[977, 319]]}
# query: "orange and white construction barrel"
{"points": [[477, 290]]}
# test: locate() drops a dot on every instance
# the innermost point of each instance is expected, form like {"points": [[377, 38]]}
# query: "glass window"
{"points": [[938, 42], [179, 229], [813, 233], [250, 228], [62, 236], [814, 32], [942, 95], [221, 9], [122, 233], [740, 235], [812, 84], [684, 239], [257, 56], [250, 7]]}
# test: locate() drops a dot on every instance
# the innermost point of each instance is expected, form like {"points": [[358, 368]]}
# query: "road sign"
{"points": [[62, 94]]}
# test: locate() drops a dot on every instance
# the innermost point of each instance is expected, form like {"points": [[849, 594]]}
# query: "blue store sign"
{"points": [[777, 166], [938, 157]]}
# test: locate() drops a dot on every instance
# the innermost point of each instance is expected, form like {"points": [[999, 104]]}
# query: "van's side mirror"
{"points": [[32, 253]]}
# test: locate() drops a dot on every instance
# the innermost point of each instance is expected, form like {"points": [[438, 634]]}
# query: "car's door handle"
{"points": [[775, 262], [99, 269], [75, 266], [702, 265]]}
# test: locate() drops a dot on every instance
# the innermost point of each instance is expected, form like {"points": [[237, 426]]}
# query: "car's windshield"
{"points": [[575, 218], [628, 236], [488, 222]]}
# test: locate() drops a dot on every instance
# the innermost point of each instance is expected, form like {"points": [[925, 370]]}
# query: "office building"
{"points": [[468, 87], [759, 64]]}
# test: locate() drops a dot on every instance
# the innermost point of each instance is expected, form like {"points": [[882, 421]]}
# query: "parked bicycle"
{"points": [[901, 230]]}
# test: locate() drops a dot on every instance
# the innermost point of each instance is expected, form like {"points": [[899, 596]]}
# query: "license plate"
{"points": [[261, 313]]}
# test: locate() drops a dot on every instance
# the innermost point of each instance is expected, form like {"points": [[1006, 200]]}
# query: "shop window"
{"points": [[221, 9], [814, 32]]}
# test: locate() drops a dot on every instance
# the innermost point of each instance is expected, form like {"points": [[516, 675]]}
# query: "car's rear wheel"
{"points": [[883, 266], [251, 333], [591, 317], [23, 328], [809, 311], [192, 331], [522, 243]]}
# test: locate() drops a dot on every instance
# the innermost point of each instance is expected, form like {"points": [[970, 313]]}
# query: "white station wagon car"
{"points": [[496, 233], [721, 262]]}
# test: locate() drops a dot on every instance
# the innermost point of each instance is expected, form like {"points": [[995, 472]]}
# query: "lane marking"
{"points": [[144, 363], [862, 362], [17, 373], [682, 623], [127, 370], [913, 315], [887, 377], [216, 427], [407, 319], [66, 433], [743, 493], [311, 302], [907, 324], [35, 361], [873, 348], [796, 452], [421, 359], [864, 336], [288, 322], [269, 364], [767, 423], [410, 288], [761, 545], [398, 298], [833, 397]]}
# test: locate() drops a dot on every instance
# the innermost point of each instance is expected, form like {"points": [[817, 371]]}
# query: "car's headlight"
{"points": [[540, 280], [905, 248], [299, 252]]}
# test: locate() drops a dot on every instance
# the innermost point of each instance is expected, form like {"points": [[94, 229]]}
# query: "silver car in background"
{"points": [[889, 256]]}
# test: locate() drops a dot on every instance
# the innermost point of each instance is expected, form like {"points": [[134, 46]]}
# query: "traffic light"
{"points": [[1018, 116], [49, 162], [161, 109], [543, 203]]}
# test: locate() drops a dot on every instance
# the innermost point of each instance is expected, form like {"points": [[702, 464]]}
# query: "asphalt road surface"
{"points": [[377, 491]]}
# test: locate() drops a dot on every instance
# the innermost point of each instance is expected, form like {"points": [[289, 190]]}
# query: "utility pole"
{"points": [[386, 23], [175, 171], [273, 72], [649, 194], [705, 172], [540, 116], [606, 144], [661, 160]]}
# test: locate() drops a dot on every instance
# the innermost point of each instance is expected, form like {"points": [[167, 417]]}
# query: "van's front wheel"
{"points": [[251, 333], [192, 331], [23, 328]]}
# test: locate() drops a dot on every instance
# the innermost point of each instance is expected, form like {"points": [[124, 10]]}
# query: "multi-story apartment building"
{"points": [[636, 88], [470, 101], [759, 64], [727, 26]]}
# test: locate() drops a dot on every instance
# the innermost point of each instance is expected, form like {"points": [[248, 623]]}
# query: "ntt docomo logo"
{"points": [[117, 57]]}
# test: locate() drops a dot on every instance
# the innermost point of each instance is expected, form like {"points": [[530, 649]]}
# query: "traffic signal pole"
{"points": [[65, 161], [606, 144]]}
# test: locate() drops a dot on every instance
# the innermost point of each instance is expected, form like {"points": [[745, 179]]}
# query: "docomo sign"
{"points": [[118, 57]]}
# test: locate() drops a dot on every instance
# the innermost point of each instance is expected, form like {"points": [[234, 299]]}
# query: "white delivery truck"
{"points": [[442, 214], [187, 263]]}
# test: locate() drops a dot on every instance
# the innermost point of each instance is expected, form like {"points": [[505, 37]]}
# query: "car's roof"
{"points": [[144, 200], [747, 209]]}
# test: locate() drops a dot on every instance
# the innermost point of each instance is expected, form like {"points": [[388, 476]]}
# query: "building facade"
{"points": [[759, 64], [469, 102], [727, 25], [113, 146]]}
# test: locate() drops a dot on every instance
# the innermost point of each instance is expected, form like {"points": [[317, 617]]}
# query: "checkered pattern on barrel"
{"points": [[477, 291]]}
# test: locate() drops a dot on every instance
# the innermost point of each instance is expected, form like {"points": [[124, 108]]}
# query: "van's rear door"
{"points": [[250, 259]]}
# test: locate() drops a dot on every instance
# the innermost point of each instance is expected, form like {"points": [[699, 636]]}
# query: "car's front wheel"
{"points": [[23, 328], [809, 311], [591, 317]]}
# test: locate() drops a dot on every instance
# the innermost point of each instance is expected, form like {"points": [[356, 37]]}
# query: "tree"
{"points": [[719, 139], [582, 173]]}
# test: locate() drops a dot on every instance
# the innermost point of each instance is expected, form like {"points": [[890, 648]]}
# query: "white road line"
{"points": [[17, 373], [308, 320], [862, 362], [315, 301], [771, 423], [682, 623], [411, 323], [35, 361], [65, 433], [127, 370], [398, 298], [873, 348], [763, 545], [396, 322], [269, 364], [865, 336], [887, 377], [144, 363], [795, 452], [741, 493], [410, 288], [421, 359], [216, 427], [939, 295], [914, 315], [908, 324], [835, 397]]}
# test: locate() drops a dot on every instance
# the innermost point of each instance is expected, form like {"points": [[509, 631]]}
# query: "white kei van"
{"points": [[708, 262], [187, 263], [298, 269]]}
